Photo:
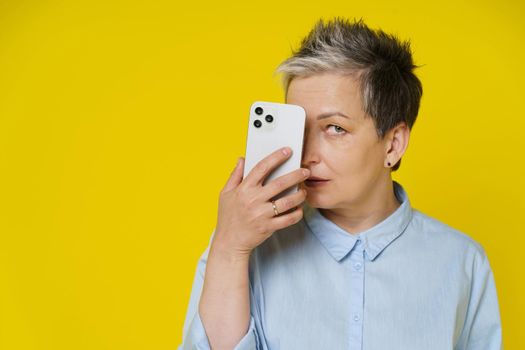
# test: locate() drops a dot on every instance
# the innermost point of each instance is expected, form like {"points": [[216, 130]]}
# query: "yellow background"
{"points": [[120, 122]]}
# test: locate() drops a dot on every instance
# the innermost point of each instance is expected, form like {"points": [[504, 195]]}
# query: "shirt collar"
{"points": [[339, 242]]}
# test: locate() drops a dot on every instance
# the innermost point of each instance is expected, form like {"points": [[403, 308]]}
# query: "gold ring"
{"points": [[275, 208]]}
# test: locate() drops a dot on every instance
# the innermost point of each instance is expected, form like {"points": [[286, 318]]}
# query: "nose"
{"points": [[310, 154]]}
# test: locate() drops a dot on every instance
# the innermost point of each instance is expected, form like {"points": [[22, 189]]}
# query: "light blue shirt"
{"points": [[409, 282]]}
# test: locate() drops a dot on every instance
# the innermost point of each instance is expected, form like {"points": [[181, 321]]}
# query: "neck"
{"points": [[378, 205]]}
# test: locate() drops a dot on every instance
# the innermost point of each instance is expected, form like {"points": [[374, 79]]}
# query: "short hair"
{"points": [[383, 65]]}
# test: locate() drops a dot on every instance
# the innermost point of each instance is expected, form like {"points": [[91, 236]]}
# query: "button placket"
{"points": [[356, 295]]}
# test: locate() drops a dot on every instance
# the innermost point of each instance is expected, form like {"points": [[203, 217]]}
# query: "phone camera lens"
{"points": [[258, 111], [257, 123], [269, 118]]}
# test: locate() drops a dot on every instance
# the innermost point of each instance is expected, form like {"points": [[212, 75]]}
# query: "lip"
{"points": [[315, 178], [312, 182]]}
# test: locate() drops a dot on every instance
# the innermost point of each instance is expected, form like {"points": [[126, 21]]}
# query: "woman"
{"points": [[354, 266]]}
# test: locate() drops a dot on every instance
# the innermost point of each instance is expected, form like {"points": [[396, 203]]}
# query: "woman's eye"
{"points": [[338, 130]]}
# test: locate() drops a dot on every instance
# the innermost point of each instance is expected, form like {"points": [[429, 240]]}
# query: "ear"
{"points": [[396, 143]]}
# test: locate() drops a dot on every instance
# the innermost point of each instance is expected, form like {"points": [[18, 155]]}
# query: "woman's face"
{"points": [[345, 151]]}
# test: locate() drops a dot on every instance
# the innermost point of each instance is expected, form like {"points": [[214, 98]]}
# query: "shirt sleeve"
{"points": [[482, 328], [194, 335]]}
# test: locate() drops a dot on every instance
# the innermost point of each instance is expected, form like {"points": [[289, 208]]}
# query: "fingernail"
{"points": [[306, 172], [286, 151]]}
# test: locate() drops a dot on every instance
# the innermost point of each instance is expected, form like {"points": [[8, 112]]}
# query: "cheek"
{"points": [[340, 156], [350, 159]]}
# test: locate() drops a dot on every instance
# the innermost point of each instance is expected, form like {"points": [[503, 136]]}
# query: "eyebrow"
{"points": [[332, 114]]}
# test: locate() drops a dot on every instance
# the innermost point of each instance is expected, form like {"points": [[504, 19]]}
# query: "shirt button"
{"points": [[357, 266], [356, 318]]}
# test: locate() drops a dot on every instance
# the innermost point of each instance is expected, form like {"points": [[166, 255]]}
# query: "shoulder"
{"points": [[443, 235]]}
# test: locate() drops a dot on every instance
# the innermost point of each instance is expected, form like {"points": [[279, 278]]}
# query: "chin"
{"points": [[323, 198], [320, 202]]}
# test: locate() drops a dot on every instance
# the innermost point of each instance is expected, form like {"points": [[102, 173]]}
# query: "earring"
{"points": [[389, 163]]}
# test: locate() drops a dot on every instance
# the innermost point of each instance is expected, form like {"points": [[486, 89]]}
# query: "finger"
{"points": [[283, 221], [276, 186], [235, 177], [288, 202], [265, 166]]}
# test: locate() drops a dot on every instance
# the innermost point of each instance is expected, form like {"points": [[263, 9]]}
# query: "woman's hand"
{"points": [[246, 217]]}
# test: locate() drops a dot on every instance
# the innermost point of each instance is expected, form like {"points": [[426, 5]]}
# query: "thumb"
{"points": [[236, 176]]}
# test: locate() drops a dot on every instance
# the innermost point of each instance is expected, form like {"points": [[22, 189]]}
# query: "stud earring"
{"points": [[389, 163]]}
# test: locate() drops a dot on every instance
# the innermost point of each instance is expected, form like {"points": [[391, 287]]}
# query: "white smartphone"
{"points": [[272, 126]]}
